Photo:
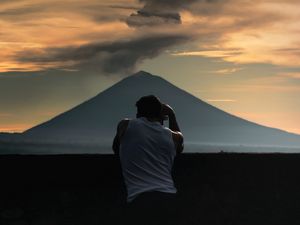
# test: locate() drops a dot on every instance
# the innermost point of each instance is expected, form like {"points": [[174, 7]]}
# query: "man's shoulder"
{"points": [[125, 120], [123, 123], [122, 127]]}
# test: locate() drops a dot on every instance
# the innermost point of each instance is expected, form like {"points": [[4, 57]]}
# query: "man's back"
{"points": [[147, 152]]}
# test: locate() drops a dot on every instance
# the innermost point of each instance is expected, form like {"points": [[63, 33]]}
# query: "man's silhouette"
{"points": [[147, 149]]}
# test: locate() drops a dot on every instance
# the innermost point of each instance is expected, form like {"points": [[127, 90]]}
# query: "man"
{"points": [[147, 149]]}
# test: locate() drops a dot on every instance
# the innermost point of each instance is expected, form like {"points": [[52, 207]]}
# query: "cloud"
{"points": [[209, 53], [42, 43], [155, 12], [232, 30], [145, 18], [27, 9], [293, 75], [226, 30], [227, 71], [30, 11], [108, 57]]}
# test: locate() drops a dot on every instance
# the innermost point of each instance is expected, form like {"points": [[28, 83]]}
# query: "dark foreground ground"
{"points": [[88, 190]]}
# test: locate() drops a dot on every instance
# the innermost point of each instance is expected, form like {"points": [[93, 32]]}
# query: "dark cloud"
{"points": [[160, 12], [156, 13], [94, 10], [109, 57], [25, 9], [166, 4], [150, 18], [129, 7]]}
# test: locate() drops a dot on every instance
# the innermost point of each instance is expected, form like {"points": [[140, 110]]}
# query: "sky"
{"points": [[242, 56]]}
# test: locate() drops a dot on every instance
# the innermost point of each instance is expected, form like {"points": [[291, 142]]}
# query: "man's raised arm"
{"points": [[173, 125]]}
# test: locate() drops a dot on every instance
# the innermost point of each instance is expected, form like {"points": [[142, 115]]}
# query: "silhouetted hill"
{"points": [[95, 120], [88, 189]]}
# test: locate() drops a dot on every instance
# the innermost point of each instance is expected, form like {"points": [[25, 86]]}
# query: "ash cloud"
{"points": [[148, 18], [108, 57], [160, 12], [156, 12], [122, 55]]}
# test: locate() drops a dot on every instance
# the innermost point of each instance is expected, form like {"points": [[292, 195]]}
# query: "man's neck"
{"points": [[154, 119]]}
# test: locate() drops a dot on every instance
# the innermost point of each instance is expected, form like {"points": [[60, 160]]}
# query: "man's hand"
{"points": [[167, 110]]}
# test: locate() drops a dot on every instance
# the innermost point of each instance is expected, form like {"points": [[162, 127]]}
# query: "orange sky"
{"points": [[241, 56]]}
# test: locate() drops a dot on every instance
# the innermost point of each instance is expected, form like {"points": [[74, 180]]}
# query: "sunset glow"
{"points": [[240, 56]]}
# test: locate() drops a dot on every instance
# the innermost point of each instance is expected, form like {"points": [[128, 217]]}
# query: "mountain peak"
{"points": [[142, 73], [143, 76]]}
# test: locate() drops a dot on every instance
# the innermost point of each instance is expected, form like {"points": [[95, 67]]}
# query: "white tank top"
{"points": [[147, 153]]}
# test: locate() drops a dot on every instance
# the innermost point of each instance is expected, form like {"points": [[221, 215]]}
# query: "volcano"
{"points": [[95, 120]]}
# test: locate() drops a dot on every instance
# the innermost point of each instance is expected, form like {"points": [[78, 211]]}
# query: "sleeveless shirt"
{"points": [[147, 152]]}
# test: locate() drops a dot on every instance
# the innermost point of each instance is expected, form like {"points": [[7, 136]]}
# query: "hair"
{"points": [[149, 106]]}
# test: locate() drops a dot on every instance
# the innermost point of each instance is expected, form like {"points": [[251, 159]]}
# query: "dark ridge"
{"points": [[213, 189]]}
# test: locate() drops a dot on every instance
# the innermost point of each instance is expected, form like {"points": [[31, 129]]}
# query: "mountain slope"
{"points": [[96, 119]]}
